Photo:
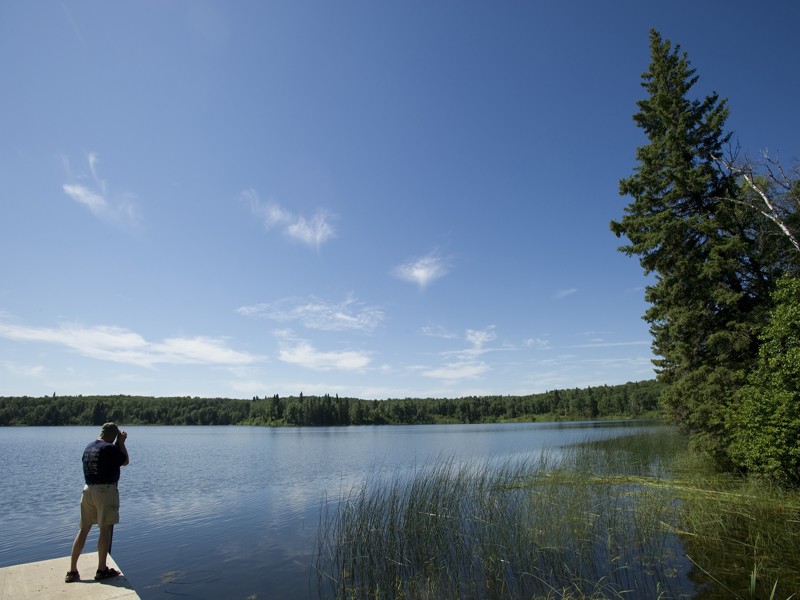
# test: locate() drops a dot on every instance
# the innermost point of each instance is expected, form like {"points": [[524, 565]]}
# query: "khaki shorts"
{"points": [[99, 505]]}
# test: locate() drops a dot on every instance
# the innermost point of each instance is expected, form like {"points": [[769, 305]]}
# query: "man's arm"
{"points": [[120, 443]]}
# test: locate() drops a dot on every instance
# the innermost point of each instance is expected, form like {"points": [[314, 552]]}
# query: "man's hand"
{"points": [[121, 437]]}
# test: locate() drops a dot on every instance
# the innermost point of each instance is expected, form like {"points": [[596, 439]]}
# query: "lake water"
{"points": [[231, 512]]}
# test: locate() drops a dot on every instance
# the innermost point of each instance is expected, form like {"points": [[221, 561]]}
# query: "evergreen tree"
{"points": [[712, 279]]}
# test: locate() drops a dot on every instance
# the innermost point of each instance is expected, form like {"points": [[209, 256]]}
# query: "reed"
{"points": [[601, 520], [742, 536]]}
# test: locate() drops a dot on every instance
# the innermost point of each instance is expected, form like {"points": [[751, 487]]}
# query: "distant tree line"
{"points": [[629, 400]]}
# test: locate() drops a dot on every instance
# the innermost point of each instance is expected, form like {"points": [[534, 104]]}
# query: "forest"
{"points": [[630, 400]]}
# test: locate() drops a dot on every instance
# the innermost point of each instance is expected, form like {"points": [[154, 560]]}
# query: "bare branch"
{"points": [[776, 175]]}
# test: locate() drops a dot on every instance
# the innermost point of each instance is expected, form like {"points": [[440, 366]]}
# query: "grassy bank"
{"points": [[637, 516]]}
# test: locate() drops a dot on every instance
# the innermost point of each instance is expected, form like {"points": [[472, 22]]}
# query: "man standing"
{"points": [[100, 498]]}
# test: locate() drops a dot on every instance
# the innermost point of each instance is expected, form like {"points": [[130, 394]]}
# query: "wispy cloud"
{"points": [[479, 337], [23, 370], [476, 340], [313, 232], [603, 344], [438, 331], [463, 363], [457, 370], [564, 293], [537, 343], [644, 362], [74, 26], [313, 313], [423, 271], [116, 344], [91, 192], [300, 352]]}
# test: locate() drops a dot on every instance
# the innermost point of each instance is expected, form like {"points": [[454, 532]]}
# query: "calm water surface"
{"points": [[230, 512]]}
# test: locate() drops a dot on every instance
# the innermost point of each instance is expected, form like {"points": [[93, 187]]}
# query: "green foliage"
{"points": [[713, 263], [624, 401], [765, 420]]}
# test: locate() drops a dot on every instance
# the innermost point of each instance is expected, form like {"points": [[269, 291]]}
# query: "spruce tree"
{"points": [[710, 289]]}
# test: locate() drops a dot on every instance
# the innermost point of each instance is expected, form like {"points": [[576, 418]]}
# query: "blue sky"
{"points": [[370, 199]]}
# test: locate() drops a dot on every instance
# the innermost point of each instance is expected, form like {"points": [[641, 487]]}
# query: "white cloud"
{"points": [[92, 160], [120, 210], [313, 232], [537, 343], [564, 293], [457, 370], [272, 214], [424, 270], [83, 195], [23, 370], [603, 344], [116, 344], [313, 313], [438, 331], [478, 337], [629, 361], [199, 350], [249, 387], [300, 352], [463, 363]]}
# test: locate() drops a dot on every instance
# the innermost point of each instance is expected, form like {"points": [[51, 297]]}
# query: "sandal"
{"points": [[106, 573], [72, 577]]}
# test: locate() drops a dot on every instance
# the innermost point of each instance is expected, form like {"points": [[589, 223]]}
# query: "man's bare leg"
{"points": [[103, 545], [77, 547]]}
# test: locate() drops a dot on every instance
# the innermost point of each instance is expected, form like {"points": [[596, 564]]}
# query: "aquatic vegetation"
{"points": [[607, 519]]}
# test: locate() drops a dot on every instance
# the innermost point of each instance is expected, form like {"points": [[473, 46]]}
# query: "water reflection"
{"points": [[232, 511]]}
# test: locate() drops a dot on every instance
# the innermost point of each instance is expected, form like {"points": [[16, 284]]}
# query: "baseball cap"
{"points": [[109, 428]]}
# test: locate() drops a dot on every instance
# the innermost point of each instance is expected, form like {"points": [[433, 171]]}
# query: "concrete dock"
{"points": [[45, 580]]}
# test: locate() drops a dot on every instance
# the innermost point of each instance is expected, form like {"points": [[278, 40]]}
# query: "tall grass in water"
{"points": [[631, 517], [582, 525], [742, 536]]}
